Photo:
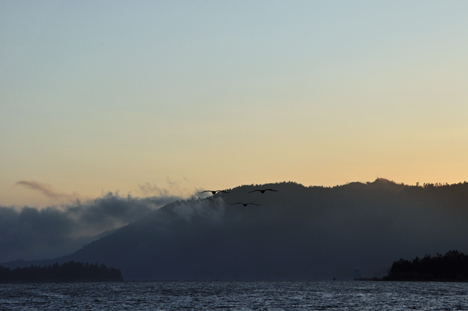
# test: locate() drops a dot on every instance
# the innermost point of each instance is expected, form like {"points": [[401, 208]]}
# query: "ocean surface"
{"points": [[330, 295]]}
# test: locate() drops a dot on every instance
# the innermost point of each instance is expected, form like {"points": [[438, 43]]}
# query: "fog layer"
{"points": [[31, 233]]}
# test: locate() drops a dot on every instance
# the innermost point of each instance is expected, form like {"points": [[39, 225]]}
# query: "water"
{"points": [[235, 296]]}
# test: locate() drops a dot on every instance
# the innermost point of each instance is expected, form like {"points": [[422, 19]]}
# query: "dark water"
{"points": [[235, 296]]}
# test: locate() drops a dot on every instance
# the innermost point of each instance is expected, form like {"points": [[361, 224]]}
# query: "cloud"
{"points": [[47, 190], [42, 188], [33, 233], [182, 188], [207, 209], [148, 188]]}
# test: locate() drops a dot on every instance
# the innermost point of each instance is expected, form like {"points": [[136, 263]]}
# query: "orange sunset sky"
{"points": [[155, 97]]}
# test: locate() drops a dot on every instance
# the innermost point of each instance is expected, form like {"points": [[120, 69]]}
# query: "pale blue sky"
{"points": [[110, 95]]}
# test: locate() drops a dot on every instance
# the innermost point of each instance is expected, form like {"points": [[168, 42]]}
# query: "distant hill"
{"points": [[296, 233]]}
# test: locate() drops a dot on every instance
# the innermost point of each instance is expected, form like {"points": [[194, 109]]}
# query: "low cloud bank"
{"points": [[32, 233]]}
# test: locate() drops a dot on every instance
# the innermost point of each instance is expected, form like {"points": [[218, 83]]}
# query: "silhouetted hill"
{"points": [[296, 233]]}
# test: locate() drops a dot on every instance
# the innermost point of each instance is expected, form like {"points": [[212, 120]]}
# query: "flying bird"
{"points": [[262, 191], [215, 191], [245, 204]]}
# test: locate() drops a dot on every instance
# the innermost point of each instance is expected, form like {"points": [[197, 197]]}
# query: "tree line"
{"points": [[67, 272], [453, 266]]}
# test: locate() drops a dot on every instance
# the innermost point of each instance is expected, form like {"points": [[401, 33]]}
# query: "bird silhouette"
{"points": [[215, 191], [245, 204], [262, 191]]}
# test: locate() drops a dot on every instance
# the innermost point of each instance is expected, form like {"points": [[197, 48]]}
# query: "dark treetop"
{"points": [[453, 266]]}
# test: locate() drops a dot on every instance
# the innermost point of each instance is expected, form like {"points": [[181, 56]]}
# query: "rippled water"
{"points": [[235, 296]]}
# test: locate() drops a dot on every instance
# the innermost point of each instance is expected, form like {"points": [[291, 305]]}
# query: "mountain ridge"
{"points": [[296, 233]]}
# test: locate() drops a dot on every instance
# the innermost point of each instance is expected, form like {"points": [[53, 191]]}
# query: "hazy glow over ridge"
{"points": [[100, 96]]}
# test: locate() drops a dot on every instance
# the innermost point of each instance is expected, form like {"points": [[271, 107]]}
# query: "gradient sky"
{"points": [[126, 96]]}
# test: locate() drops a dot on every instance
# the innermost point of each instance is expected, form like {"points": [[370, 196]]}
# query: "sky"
{"points": [[170, 97]]}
